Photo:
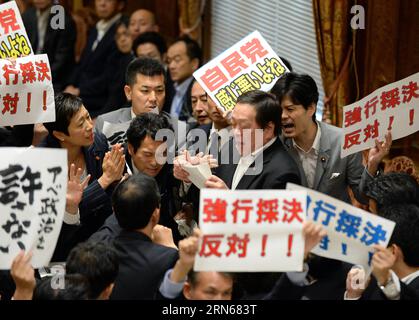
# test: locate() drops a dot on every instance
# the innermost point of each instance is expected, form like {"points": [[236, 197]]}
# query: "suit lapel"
{"points": [[126, 115], [249, 176], [323, 157]]}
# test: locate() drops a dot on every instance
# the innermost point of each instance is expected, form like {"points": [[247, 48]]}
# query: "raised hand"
{"points": [[163, 236], [188, 249], [113, 166], [75, 188], [313, 234], [24, 276], [382, 261], [378, 153], [356, 283]]}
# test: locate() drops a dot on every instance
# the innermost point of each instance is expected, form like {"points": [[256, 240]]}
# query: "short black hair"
{"points": [[76, 287], [134, 201], [393, 188], [95, 260], [266, 106], [145, 66], [193, 49], [193, 276], [300, 88], [150, 37], [66, 106], [406, 231], [147, 124]]}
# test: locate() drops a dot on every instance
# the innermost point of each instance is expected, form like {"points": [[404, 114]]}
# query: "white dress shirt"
{"points": [[245, 162], [102, 27], [42, 22], [309, 159], [181, 89]]}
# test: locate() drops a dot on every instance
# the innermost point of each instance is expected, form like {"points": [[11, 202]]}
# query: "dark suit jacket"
{"points": [[192, 139], [186, 110], [59, 46], [278, 169], [91, 75], [142, 265], [95, 206], [407, 291], [168, 208], [330, 282]]}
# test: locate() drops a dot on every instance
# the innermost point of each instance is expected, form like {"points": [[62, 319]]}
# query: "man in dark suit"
{"points": [[259, 161], [263, 163], [143, 156], [142, 263], [90, 78], [395, 268], [57, 43], [183, 58]]}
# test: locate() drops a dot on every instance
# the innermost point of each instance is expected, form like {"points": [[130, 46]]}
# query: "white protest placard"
{"points": [[14, 41], [115, 132], [248, 65], [393, 107], [26, 92], [351, 232], [32, 202], [251, 230]]}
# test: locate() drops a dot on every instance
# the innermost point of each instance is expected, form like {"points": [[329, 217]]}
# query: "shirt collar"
{"points": [[316, 142], [183, 87], [408, 279], [104, 26], [224, 131], [43, 15], [254, 154]]}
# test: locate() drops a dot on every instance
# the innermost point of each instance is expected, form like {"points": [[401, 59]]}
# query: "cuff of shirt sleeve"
{"points": [[73, 219], [170, 289], [392, 289], [345, 297], [299, 278]]}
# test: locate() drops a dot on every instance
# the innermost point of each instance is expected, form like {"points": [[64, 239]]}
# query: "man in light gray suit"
{"points": [[315, 146], [145, 88]]}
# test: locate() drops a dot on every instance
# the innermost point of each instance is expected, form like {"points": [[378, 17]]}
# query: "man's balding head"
{"points": [[142, 21]]}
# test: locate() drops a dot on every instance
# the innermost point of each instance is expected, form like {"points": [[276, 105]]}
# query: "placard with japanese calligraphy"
{"points": [[26, 92], [248, 65], [251, 230], [351, 232], [115, 132], [14, 41], [32, 202], [393, 107]]}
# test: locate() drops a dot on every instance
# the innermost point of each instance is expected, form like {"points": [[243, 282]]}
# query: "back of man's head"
{"points": [[152, 37], [134, 201], [146, 124], [98, 262], [74, 287], [406, 230], [145, 66], [393, 188], [300, 88]]}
